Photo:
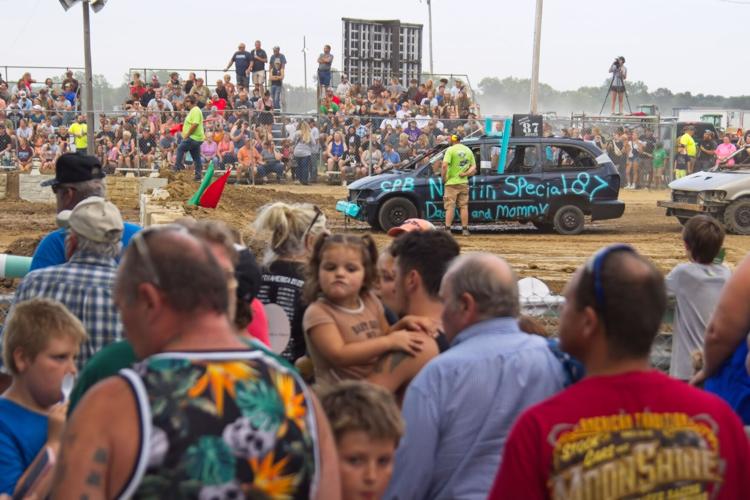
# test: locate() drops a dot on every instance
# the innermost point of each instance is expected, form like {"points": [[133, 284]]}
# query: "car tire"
{"points": [[394, 211], [568, 220], [737, 216], [373, 221], [683, 220]]}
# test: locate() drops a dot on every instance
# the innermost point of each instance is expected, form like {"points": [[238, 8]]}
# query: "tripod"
{"points": [[625, 91]]}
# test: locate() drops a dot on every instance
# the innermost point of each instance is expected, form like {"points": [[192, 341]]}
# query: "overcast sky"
{"points": [[679, 44]]}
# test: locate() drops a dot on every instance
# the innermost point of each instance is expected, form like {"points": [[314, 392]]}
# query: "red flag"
{"points": [[212, 194]]}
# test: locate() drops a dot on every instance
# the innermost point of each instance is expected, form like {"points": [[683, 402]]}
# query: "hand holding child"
{"points": [[417, 324], [409, 342]]}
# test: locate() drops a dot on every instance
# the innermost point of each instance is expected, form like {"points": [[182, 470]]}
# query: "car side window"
{"points": [[520, 159], [566, 157]]}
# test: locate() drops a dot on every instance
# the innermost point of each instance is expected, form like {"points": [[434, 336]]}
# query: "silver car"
{"points": [[722, 192]]}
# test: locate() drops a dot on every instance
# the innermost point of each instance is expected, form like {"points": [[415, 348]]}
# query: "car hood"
{"points": [[711, 181], [376, 181]]}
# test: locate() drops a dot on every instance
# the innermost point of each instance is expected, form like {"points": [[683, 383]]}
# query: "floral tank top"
{"points": [[230, 424]]}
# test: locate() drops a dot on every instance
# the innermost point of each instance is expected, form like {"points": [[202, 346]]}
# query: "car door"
{"points": [[569, 171], [514, 194]]}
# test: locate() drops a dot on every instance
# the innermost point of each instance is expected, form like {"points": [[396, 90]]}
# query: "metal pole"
{"points": [[304, 59], [89, 79], [429, 16], [535, 59]]}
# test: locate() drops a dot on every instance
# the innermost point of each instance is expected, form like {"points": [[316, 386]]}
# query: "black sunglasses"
{"points": [[141, 246], [318, 213]]}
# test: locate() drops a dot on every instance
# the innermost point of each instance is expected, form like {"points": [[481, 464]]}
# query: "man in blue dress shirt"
{"points": [[460, 408]]}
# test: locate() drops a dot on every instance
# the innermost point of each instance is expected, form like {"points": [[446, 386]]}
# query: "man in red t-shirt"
{"points": [[625, 431]]}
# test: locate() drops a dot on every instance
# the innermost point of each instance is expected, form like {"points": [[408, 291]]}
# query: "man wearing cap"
{"points": [[192, 137], [24, 103], [278, 56], [344, 86], [84, 284], [77, 177], [458, 165], [277, 81], [71, 81]]}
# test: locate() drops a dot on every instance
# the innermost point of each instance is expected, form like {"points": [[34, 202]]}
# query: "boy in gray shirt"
{"points": [[696, 286]]}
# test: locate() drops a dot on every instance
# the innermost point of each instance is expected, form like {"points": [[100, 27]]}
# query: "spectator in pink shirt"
{"points": [[725, 149], [208, 149]]}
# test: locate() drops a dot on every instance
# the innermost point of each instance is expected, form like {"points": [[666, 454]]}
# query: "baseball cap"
{"points": [[72, 167], [410, 225], [95, 219], [455, 138]]}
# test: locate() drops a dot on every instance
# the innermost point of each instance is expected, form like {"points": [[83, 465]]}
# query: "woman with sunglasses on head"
{"points": [[293, 229]]}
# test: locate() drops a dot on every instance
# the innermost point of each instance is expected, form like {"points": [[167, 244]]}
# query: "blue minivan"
{"points": [[554, 183]]}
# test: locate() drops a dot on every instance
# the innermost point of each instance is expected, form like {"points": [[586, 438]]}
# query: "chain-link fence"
{"points": [[545, 310], [5, 301], [630, 141], [141, 139]]}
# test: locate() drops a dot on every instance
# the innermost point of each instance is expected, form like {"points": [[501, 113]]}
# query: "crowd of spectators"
{"points": [[643, 159], [36, 120], [332, 368], [379, 126]]}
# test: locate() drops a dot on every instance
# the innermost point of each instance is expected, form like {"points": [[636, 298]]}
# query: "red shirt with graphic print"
{"points": [[631, 435]]}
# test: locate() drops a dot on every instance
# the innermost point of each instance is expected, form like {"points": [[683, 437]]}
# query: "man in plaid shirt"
{"points": [[84, 283]]}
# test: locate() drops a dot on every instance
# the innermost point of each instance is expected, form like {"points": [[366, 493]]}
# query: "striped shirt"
{"points": [[85, 286]]}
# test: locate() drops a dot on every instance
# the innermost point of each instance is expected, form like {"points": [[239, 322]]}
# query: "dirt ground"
{"points": [[549, 257]]}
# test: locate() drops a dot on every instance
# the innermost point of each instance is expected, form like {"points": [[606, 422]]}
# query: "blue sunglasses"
{"points": [[595, 265]]}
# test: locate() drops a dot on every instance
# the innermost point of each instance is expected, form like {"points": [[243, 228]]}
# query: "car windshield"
{"points": [[428, 156]]}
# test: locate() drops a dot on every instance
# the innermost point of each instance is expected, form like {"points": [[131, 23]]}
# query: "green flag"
{"points": [[204, 184]]}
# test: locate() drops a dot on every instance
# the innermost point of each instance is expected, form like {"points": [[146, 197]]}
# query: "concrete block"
{"points": [[153, 212], [29, 188], [148, 184], [3, 185]]}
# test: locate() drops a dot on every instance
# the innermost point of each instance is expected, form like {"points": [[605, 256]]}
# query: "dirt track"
{"points": [[550, 257]]}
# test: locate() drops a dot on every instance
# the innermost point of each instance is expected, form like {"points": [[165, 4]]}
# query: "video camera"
{"points": [[617, 62]]}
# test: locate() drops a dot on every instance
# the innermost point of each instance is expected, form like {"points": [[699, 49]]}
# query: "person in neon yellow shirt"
{"points": [[458, 165], [192, 137], [686, 139], [79, 130]]}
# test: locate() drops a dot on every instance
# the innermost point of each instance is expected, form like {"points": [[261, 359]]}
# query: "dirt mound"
{"points": [[24, 246], [240, 204]]}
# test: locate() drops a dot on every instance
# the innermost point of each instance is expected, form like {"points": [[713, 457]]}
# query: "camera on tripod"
{"points": [[617, 62]]}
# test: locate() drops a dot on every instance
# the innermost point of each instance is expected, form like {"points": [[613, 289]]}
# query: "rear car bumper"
{"points": [[602, 210]]}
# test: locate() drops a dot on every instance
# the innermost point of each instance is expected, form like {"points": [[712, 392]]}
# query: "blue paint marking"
{"points": [[502, 211], [405, 184], [504, 145]]}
